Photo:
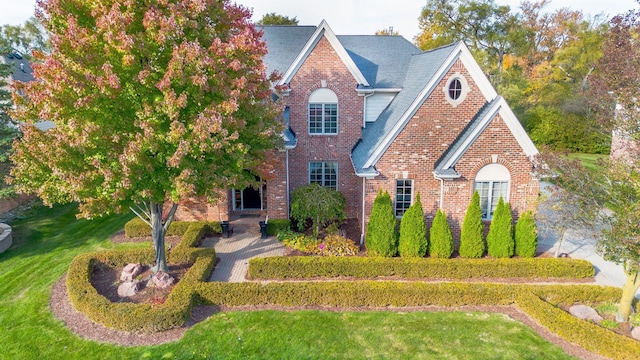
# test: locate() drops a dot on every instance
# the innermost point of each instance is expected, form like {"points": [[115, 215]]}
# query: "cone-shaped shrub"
{"points": [[440, 239], [500, 242], [382, 238], [526, 235], [471, 242], [413, 231]]}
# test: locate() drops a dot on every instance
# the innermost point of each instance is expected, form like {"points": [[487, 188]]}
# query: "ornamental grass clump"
{"points": [[413, 232], [441, 239], [471, 242], [382, 238], [500, 242], [526, 235]]}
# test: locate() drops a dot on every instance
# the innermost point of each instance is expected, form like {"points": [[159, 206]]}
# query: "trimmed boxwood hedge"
{"points": [[581, 332], [292, 267], [275, 225], [136, 227], [141, 317]]}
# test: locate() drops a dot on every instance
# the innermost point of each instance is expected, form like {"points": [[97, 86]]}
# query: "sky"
{"points": [[350, 17]]}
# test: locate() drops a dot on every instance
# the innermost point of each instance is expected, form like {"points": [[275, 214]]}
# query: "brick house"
{"points": [[364, 113]]}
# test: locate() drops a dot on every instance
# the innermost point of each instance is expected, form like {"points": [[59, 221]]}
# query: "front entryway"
{"points": [[250, 198]]}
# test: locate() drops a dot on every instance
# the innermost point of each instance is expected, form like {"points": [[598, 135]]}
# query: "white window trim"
{"points": [[463, 93], [395, 202], [490, 195], [324, 121], [323, 162]]}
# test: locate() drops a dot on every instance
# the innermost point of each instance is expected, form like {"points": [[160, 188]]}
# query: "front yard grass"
{"points": [[46, 243]]}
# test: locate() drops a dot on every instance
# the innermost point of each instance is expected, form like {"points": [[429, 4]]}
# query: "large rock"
{"points": [[162, 280], [585, 312], [130, 272], [129, 288], [6, 238], [635, 332]]}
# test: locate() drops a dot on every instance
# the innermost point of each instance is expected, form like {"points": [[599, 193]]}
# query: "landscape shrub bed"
{"points": [[581, 332], [136, 227], [300, 267], [275, 225], [174, 312]]}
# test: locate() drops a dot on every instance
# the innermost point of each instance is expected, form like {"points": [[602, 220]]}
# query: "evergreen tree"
{"points": [[441, 239], [526, 235], [413, 231], [382, 238], [500, 242], [471, 242]]}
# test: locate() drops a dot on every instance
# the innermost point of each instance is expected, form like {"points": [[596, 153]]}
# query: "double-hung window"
{"points": [[324, 173], [404, 192], [491, 183], [323, 112]]}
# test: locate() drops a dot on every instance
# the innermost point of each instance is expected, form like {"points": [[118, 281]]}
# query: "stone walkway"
{"points": [[233, 253]]}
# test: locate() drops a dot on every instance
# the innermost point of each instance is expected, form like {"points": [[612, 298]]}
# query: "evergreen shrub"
{"points": [[441, 239], [382, 238], [500, 242], [526, 235], [413, 232], [471, 242]]}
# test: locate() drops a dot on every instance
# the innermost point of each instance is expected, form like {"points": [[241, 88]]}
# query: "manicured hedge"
{"points": [[136, 227], [581, 332], [174, 312], [275, 225], [295, 267]]}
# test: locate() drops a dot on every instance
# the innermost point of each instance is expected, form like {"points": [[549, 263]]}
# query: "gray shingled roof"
{"points": [[422, 69], [284, 43], [472, 128], [21, 73], [383, 60]]}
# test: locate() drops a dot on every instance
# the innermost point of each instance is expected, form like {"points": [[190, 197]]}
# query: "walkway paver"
{"points": [[234, 252]]}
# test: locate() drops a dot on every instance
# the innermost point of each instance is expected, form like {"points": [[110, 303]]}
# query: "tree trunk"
{"points": [[557, 253], [628, 293], [157, 232]]}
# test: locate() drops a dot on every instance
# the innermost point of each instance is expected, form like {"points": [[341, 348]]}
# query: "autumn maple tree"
{"points": [[153, 101]]}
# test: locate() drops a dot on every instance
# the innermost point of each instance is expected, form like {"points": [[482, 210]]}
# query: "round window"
{"points": [[455, 89]]}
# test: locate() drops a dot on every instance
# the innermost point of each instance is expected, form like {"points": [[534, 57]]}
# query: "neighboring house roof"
{"points": [[20, 67]]}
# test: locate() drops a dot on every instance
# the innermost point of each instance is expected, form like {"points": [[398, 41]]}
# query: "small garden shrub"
{"points": [[382, 237], [334, 245], [441, 239], [471, 241], [500, 242], [318, 203], [413, 231], [526, 235], [296, 240], [136, 227], [275, 225]]}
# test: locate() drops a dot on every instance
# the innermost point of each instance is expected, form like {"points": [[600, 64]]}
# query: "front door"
{"points": [[250, 198]]}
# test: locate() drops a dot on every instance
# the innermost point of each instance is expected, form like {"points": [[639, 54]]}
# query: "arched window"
{"points": [[323, 112], [491, 183]]}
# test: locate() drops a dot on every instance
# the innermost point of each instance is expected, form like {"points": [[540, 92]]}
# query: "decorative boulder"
{"points": [[162, 280], [635, 332], [130, 272], [129, 288], [585, 313]]}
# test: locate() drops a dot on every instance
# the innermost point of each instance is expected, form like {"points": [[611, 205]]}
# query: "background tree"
{"points": [[318, 203], [24, 38], [276, 19], [382, 237], [440, 237], [8, 130], [153, 102], [413, 231], [526, 235], [471, 241], [387, 32], [500, 242]]}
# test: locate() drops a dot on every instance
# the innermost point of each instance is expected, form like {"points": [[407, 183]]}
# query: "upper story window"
{"points": [[324, 173], [491, 183], [456, 89], [323, 112]]}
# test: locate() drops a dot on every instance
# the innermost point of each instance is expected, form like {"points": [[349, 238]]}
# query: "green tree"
{"points": [[500, 242], [440, 237], [276, 19], [8, 131], [382, 237], [413, 231], [471, 241], [526, 235], [24, 38], [153, 102], [319, 203]]}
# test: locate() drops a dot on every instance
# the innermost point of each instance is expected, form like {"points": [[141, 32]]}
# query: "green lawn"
{"points": [[45, 244], [589, 161]]}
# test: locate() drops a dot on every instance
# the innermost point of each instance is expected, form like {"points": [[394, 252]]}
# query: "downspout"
{"points": [[441, 191], [286, 161], [364, 180]]}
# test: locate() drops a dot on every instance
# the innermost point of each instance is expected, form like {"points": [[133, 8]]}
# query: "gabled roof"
{"points": [[445, 166], [20, 67], [423, 74]]}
